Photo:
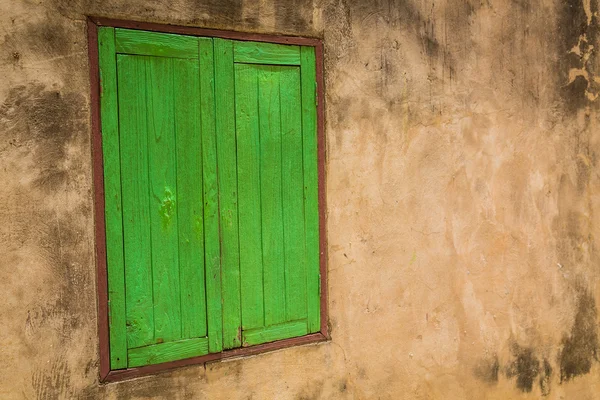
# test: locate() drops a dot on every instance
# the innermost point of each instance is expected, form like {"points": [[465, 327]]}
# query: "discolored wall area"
{"points": [[463, 201]]}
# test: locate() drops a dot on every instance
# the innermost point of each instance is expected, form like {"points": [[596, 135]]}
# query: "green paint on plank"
{"points": [[266, 53], [136, 199], [276, 332], [293, 194], [167, 207], [227, 177], [189, 207], [311, 186], [271, 191], [162, 173], [112, 198], [212, 244], [164, 352], [248, 160]]}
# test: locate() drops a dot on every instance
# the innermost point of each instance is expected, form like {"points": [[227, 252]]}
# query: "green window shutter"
{"points": [[211, 196], [160, 196], [275, 277]]}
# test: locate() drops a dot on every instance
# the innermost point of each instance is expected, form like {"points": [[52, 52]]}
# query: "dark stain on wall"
{"points": [[215, 12], [311, 392], [47, 120], [397, 14], [576, 29], [525, 367], [580, 347], [41, 123], [290, 15], [340, 39], [545, 377], [487, 369], [50, 37], [46, 39]]}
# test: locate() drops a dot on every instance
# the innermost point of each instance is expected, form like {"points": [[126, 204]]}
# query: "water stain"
{"points": [[343, 385], [487, 369], [545, 378], [216, 12], [47, 38], [580, 347], [293, 15], [525, 367], [313, 391], [46, 127], [578, 33], [48, 121]]}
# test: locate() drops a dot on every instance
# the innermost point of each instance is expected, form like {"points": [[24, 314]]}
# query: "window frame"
{"points": [[106, 374]]}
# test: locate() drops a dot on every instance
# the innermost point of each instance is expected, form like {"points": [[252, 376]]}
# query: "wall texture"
{"points": [[463, 201]]}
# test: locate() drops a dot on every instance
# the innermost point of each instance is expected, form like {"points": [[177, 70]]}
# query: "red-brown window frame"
{"points": [[106, 374]]}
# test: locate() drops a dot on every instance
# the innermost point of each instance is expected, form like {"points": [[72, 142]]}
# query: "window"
{"points": [[210, 213]]}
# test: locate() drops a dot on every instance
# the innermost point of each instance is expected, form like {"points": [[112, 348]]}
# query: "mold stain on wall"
{"points": [[579, 33], [525, 367], [580, 347]]}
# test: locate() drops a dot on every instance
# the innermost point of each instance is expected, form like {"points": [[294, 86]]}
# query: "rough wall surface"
{"points": [[463, 201]]}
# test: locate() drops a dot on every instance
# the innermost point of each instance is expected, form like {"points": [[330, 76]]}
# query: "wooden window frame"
{"points": [[106, 374]]}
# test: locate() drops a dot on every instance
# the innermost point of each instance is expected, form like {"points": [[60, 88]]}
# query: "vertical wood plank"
{"points": [[271, 203], [226, 159], [212, 246], [293, 194], [163, 199], [136, 201], [189, 197], [112, 198], [248, 153], [311, 191]]}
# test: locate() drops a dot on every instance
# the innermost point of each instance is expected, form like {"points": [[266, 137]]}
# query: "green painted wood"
{"points": [[218, 180], [266, 53], [131, 72], [131, 41], [112, 199], [163, 199], [293, 194], [164, 352], [186, 88], [277, 332], [271, 187], [248, 157], [311, 188], [212, 244], [227, 171]]}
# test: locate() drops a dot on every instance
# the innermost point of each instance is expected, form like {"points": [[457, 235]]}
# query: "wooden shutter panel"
{"points": [[276, 279], [168, 203]]}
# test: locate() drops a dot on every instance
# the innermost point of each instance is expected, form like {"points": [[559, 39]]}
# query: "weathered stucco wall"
{"points": [[463, 201]]}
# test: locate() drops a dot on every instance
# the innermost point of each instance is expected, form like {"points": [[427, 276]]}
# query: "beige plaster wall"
{"points": [[463, 201]]}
